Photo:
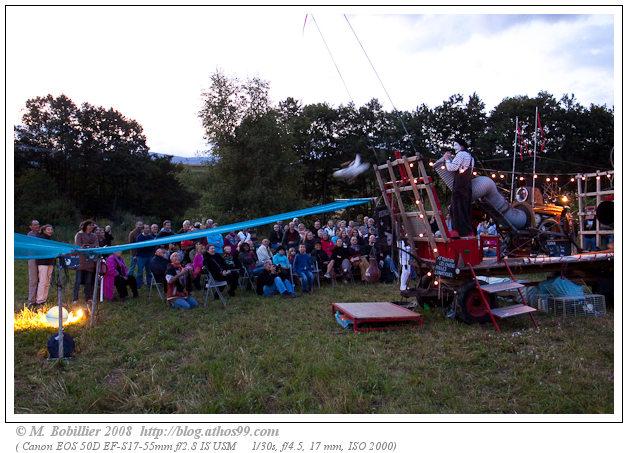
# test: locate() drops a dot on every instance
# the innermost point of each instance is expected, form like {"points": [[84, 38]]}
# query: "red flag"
{"points": [[520, 140], [538, 121]]}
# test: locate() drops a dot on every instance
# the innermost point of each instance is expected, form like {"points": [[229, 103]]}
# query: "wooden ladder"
{"points": [[420, 185]]}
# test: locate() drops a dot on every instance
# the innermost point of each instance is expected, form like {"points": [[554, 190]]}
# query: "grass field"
{"points": [[289, 356]]}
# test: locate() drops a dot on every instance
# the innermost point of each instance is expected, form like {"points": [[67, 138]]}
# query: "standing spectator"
{"points": [[209, 224], [290, 237], [154, 229], [185, 227], [144, 256], [270, 282], [118, 275], [303, 268], [44, 269], [214, 239], [85, 238], [139, 226], [166, 229], [33, 272], [244, 236], [108, 236], [276, 236], [218, 268], [100, 234], [179, 283]]}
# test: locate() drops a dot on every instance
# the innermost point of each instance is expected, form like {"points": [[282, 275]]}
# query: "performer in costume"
{"points": [[462, 167]]}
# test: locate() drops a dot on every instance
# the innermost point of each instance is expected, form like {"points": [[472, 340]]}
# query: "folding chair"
{"points": [[158, 285], [245, 278], [317, 273], [212, 285]]}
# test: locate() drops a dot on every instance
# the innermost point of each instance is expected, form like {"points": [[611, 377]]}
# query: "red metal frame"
{"points": [[523, 298], [483, 297]]}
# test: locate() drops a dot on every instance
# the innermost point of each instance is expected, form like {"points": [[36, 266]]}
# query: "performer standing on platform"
{"points": [[462, 167]]}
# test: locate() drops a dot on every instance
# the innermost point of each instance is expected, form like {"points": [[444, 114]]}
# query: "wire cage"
{"points": [[569, 307]]}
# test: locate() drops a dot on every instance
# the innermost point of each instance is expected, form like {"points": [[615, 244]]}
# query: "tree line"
{"points": [[265, 158]]}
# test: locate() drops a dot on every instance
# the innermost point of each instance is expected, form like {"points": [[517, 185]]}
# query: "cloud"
{"points": [[153, 63]]}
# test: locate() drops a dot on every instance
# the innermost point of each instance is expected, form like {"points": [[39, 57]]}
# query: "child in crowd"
{"points": [[303, 268]]}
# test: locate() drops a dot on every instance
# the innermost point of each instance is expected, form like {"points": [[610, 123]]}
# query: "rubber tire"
{"points": [[471, 316]]}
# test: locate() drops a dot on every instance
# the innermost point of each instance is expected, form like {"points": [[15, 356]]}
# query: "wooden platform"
{"points": [[367, 316]]}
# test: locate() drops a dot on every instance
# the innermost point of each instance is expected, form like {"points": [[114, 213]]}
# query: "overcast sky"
{"points": [[152, 63]]}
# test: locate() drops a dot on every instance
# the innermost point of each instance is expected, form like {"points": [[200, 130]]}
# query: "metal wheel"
{"points": [[472, 309]]}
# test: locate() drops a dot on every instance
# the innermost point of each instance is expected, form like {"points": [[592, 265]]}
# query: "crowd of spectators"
{"points": [[340, 251]]}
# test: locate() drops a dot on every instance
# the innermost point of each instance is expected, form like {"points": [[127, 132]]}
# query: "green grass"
{"points": [[289, 356]]}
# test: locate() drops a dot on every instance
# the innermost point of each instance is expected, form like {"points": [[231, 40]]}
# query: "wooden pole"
{"points": [[92, 314], [514, 155]]}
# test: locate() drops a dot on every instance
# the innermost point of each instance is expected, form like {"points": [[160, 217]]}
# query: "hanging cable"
{"points": [[332, 58], [403, 124]]}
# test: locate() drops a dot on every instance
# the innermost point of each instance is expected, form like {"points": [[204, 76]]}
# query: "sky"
{"points": [[152, 64]]}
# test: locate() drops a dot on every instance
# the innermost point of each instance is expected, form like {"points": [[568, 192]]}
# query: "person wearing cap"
{"points": [[462, 167]]}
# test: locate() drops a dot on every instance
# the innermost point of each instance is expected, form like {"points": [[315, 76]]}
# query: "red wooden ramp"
{"points": [[367, 316]]}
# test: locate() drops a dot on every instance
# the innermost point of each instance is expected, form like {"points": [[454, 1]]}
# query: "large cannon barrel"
{"points": [[484, 187]]}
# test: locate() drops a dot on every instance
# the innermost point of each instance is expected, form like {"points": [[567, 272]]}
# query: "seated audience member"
{"points": [[280, 258], [158, 265], [217, 267], [384, 261], [179, 280], [270, 282], [355, 252], [276, 236], [290, 237], [247, 257], [174, 248], [118, 275], [320, 256], [355, 233], [303, 268], [302, 232], [327, 244], [330, 229], [231, 259], [292, 253], [339, 263], [185, 227], [264, 252], [197, 265], [316, 227], [244, 236], [482, 228], [346, 240], [232, 239], [309, 241]]}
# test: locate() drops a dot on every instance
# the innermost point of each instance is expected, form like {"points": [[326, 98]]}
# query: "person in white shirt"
{"points": [[263, 252]]}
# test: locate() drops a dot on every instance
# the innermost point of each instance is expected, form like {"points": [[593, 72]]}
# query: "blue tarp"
{"points": [[27, 247]]}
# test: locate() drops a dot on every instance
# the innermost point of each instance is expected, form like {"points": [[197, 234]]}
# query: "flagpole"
{"points": [[514, 155], [536, 126]]}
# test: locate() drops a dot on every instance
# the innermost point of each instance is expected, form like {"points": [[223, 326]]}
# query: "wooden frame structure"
{"points": [[397, 177], [598, 193]]}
